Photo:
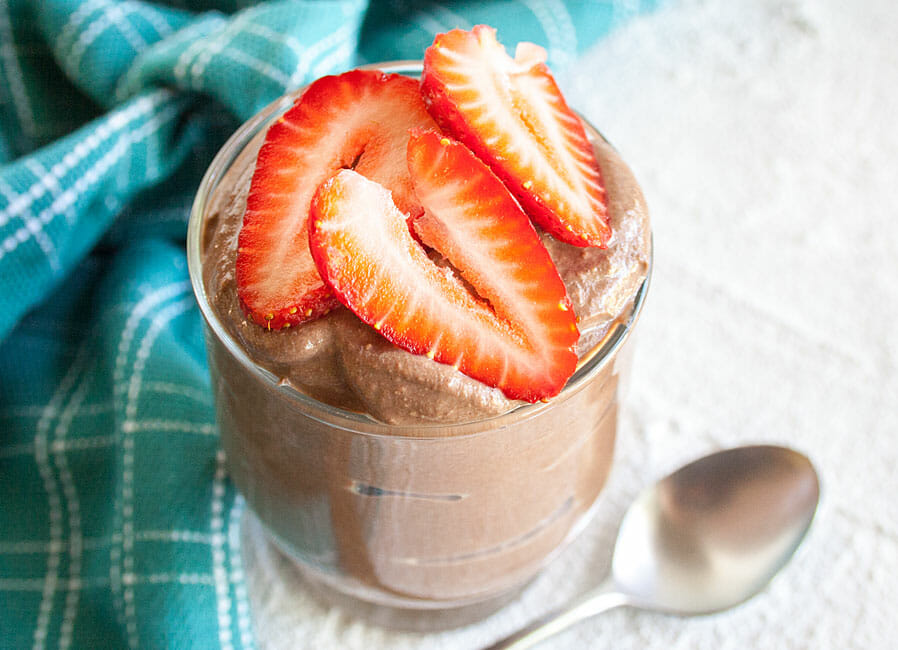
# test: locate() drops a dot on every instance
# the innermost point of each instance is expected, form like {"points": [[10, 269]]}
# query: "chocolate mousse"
{"points": [[343, 362], [389, 476]]}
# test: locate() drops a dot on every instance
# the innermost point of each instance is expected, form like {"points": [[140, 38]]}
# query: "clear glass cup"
{"points": [[451, 519]]}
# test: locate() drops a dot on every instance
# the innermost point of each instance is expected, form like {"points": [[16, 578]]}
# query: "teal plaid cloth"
{"points": [[118, 526]]}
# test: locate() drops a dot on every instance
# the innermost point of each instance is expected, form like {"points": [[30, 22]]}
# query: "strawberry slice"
{"points": [[516, 335], [358, 120], [511, 113]]}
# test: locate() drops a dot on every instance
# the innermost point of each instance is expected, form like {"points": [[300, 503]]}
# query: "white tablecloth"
{"points": [[765, 134]]}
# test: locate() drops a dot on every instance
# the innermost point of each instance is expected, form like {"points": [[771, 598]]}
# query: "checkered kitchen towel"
{"points": [[118, 527]]}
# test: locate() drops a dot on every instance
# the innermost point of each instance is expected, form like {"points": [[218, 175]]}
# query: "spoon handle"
{"points": [[602, 598]]}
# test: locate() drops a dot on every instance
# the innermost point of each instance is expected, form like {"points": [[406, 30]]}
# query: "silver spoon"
{"points": [[704, 539]]}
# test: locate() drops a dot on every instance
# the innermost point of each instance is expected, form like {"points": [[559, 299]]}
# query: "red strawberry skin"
{"points": [[357, 120], [517, 335], [511, 113]]}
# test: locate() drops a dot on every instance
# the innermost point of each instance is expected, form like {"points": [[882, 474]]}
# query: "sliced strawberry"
{"points": [[517, 335], [472, 219], [511, 113], [358, 120]]}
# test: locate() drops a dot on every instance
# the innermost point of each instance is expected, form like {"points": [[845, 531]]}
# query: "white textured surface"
{"points": [[764, 134]]}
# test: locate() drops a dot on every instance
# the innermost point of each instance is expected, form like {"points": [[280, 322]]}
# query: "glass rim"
{"points": [[590, 364]]}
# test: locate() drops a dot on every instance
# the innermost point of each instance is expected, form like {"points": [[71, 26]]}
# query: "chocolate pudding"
{"points": [[389, 476]]}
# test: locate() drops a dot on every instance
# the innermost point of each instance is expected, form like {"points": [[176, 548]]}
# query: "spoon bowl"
{"points": [[713, 533], [703, 539]]}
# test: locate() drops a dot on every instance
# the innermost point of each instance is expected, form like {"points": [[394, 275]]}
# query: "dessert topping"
{"points": [[514, 331], [358, 120], [354, 184], [510, 112]]}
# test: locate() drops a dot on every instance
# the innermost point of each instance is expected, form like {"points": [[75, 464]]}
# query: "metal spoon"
{"points": [[704, 539]]}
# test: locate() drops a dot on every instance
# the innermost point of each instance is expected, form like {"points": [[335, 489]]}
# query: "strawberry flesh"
{"points": [[357, 120], [516, 333], [511, 113]]}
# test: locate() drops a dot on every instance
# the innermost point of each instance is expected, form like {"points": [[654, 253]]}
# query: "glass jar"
{"points": [[440, 517]]}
